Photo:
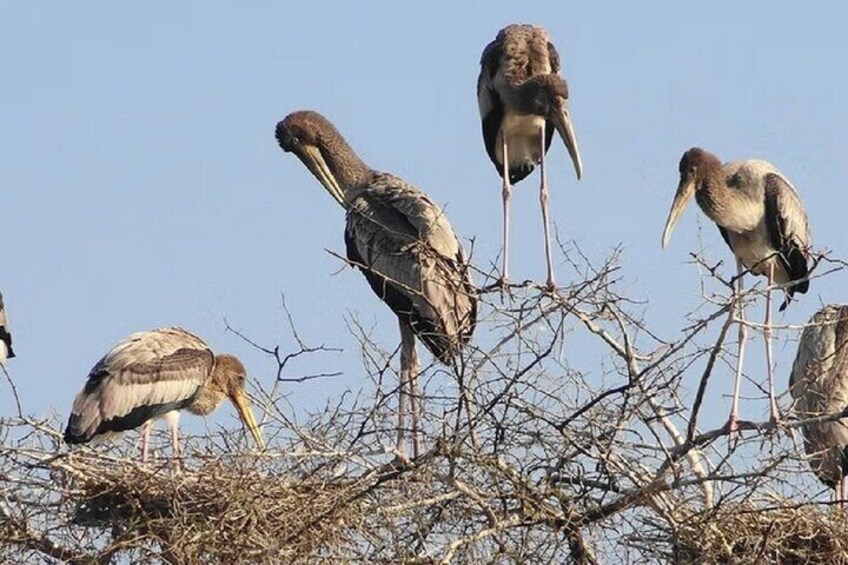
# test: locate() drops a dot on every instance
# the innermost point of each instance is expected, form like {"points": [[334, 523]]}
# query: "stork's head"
{"points": [[320, 146], [547, 95], [695, 165], [229, 376]]}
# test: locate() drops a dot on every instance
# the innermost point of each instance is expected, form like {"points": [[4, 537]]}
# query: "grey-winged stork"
{"points": [[523, 99], [819, 386], [761, 218], [403, 244], [157, 374], [6, 351]]}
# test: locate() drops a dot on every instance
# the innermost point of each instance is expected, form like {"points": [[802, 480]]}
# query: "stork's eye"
{"points": [[692, 170]]}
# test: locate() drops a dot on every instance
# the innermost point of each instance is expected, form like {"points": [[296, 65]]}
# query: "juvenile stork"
{"points": [[760, 216], [403, 244], [156, 374], [6, 351], [522, 100], [819, 385]]}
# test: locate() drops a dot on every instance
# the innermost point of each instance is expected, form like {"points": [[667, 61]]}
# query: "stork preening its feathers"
{"points": [[6, 351], [522, 100], [819, 386], [403, 244], [761, 218], [156, 374]]}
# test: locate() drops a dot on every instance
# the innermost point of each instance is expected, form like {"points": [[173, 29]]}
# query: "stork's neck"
{"points": [[729, 207], [350, 171], [208, 399], [533, 96]]}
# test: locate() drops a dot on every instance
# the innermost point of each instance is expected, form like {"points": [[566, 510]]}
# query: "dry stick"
{"points": [[695, 456], [14, 390], [705, 377]]}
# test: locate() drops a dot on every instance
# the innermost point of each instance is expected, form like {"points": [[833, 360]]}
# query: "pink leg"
{"points": [[775, 414], [543, 199], [403, 391], [840, 492], [506, 193], [416, 402], [145, 439], [733, 420]]}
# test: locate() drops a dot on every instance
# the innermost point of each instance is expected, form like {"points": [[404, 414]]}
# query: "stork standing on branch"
{"points": [[522, 100], [761, 218], [819, 385], [6, 351], [156, 374], [403, 244]]}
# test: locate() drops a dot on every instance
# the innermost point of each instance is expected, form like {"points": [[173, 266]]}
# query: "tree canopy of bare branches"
{"points": [[570, 430]]}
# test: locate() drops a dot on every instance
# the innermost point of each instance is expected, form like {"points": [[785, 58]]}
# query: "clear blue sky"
{"points": [[142, 185]]}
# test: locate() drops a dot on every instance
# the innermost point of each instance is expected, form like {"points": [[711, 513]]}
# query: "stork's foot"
{"points": [[503, 285], [732, 426], [776, 422], [550, 286]]}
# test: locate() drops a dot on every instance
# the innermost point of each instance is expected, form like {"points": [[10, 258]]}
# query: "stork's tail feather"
{"points": [[73, 435]]}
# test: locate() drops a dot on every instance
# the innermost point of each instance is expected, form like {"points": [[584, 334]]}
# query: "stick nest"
{"points": [[746, 533], [223, 511]]}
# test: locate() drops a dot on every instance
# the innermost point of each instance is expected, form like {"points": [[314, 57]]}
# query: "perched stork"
{"points": [[522, 100], [156, 374], [819, 385], [403, 244], [760, 216], [6, 351]]}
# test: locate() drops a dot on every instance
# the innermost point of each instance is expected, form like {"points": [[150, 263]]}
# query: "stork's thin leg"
{"points": [[840, 492], [173, 419], [399, 447], [775, 414], [733, 420], [145, 439], [415, 399], [506, 193], [543, 199], [409, 369]]}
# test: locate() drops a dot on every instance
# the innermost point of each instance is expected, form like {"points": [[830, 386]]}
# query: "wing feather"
{"points": [[144, 376], [489, 103], [819, 385], [788, 228], [5, 334], [413, 261]]}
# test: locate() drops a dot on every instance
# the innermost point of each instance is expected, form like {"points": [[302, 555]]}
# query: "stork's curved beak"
{"points": [[242, 405], [562, 123], [317, 165], [685, 190]]}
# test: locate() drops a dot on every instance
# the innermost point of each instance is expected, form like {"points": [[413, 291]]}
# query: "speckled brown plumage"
{"points": [[150, 374], [402, 243], [819, 386]]}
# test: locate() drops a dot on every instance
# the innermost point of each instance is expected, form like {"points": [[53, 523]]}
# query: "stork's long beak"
{"points": [[242, 405], [562, 123], [685, 190], [314, 161]]}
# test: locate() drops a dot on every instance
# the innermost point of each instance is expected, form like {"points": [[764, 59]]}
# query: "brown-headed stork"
{"points": [[761, 218], [157, 374], [819, 386], [403, 244], [523, 99]]}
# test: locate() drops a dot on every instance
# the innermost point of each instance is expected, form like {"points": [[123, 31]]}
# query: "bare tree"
{"points": [[570, 431]]}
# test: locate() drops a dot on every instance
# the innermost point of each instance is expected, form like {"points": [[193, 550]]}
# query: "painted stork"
{"points": [[403, 244], [761, 218], [156, 374], [819, 385], [6, 351], [522, 100]]}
